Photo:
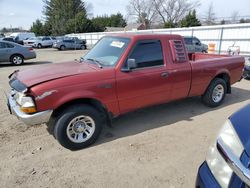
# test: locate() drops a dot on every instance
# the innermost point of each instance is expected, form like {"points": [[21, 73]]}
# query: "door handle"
{"points": [[164, 74]]}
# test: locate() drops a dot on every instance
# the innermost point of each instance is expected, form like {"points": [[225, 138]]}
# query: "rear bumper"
{"points": [[31, 55], [205, 178], [28, 119]]}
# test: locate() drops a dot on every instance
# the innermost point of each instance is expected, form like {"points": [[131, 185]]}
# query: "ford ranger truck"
{"points": [[120, 74]]}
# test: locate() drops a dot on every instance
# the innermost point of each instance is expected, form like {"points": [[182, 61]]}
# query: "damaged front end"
{"points": [[22, 104]]}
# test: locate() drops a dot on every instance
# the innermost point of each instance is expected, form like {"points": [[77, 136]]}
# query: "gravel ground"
{"points": [[160, 146]]}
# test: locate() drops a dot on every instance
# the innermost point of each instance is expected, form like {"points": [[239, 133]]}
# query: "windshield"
{"points": [[32, 38], [108, 50]]}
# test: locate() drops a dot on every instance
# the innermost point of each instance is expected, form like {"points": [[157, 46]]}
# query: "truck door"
{"points": [[148, 83]]}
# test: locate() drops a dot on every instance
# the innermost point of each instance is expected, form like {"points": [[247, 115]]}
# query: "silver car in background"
{"points": [[70, 43], [15, 53], [42, 42]]}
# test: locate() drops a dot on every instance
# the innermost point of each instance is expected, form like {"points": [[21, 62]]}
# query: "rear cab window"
{"points": [[147, 53]]}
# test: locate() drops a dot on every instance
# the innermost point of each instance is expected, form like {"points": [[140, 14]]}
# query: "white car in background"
{"points": [[20, 37], [42, 42], [30, 41]]}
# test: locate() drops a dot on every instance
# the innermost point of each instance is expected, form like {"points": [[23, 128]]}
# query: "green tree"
{"points": [[66, 16], [222, 22], [117, 20], [37, 27], [100, 22], [190, 20], [4, 30], [114, 20], [242, 20], [170, 25]]}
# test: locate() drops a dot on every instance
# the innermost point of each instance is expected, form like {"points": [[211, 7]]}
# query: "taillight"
{"points": [[30, 49]]}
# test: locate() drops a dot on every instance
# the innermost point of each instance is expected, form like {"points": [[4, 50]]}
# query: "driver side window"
{"points": [[147, 54]]}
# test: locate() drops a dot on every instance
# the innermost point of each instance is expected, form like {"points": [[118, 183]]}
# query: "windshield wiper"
{"points": [[96, 62]]}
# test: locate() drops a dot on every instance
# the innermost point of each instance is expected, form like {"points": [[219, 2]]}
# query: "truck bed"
{"points": [[205, 66], [201, 56]]}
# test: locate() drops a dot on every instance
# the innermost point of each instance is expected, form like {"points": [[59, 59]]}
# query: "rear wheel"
{"points": [[16, 59], [62, 47], [215, 93], [78, 126]]}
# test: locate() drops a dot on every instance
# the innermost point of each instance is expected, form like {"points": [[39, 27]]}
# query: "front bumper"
{"points": [[28, 119], [205, 178], [246, 73]]}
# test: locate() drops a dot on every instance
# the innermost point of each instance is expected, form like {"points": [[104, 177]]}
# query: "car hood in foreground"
{"points": [[43, 73], [241, 123]]}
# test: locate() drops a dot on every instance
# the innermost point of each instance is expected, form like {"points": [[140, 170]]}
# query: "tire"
{"points": [[39, 46], [82, 47], [78, 127], [62, 47], [16, 59], [215, 93]]}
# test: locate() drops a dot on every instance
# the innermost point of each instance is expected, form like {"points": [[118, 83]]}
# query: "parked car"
{"points": [[19, 37], [119, 74], [227, 161], [193, 44], [70, 43], [29, 41], [42, 42], [10, 39], [15, 53], [246, 73], [2, 35]]}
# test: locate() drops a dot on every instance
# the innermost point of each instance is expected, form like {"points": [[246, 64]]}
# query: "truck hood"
{"points": [[241, 123], [43, 73]]}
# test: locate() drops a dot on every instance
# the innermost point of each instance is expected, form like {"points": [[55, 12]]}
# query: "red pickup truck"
{"points": [[119, 74]]}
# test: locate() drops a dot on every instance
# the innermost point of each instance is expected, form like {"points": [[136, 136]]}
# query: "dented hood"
{"points": [[43, 73]]}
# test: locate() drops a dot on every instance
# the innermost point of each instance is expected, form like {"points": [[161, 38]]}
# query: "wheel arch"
{"points": [[106, 115], [225, 76]]}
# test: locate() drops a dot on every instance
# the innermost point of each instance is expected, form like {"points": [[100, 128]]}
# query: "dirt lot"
{"points": [[160, 146]]}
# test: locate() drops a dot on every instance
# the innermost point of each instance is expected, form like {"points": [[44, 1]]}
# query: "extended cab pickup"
{"points": [[119, 74]]}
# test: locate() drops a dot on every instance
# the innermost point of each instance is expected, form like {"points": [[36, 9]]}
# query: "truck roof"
{"points": [[146, 36]]}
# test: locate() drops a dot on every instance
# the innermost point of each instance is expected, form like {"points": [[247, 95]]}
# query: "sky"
{"points": [[21, 13]]}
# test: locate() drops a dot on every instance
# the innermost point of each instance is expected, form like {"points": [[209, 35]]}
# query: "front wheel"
{"points": [[78, 127], [39, 46], [62, 47], [215, 93]]}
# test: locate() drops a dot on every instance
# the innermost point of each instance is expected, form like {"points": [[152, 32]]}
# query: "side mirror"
{"points": [[81, 59], [198, 43], [131, 64]]}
